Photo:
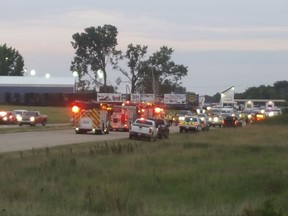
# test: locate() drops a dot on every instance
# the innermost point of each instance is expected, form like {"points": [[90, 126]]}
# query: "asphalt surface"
{"points": [[10, 142]]}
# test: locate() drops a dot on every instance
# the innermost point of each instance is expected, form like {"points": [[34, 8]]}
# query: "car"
{"points": [[273, 112], [7, 117], [190, 123], [163, 127], [180, 115], [18, 113], [215, 120], [32, 118], [232, 121]]}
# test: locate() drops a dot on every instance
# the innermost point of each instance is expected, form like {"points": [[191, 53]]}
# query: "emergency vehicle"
{"points": [[91, 116], [123, 116], [126, 113]]}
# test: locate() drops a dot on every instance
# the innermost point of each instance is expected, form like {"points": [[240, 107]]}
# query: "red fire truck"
{"points": [[91, 116], [126, 113]]}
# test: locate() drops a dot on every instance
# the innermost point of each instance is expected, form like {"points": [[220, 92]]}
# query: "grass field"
{"points": [[224, 171]]}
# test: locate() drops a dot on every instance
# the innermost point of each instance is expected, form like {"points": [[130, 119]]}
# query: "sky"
{"points": [[224, 43]]}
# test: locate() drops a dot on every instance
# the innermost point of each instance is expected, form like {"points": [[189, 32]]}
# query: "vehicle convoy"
{"points": [[91, 117], [190, 123], [32, 118], [143, 128]]}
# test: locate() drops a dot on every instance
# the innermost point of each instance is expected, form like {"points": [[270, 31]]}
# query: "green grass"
{"points": [[224, 171]]}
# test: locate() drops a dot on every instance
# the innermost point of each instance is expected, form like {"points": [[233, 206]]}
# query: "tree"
{"points": [[93, 49], [11, 62], [159, 74], [134, 56]]}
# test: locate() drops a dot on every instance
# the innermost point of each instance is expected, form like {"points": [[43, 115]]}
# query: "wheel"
{"points": [[181, 130], [20, 124]]}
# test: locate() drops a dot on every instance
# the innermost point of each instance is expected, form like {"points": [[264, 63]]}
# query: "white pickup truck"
{"points": [[143, 128]]}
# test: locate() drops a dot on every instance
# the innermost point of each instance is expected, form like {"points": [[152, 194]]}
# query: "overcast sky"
{"points": [[224, 43]]}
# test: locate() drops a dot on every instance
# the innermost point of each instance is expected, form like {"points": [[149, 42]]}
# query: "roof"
{"points": [[32, 81]]}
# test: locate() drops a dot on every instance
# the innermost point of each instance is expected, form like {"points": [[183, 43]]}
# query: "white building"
{"points": [[14, 88]]}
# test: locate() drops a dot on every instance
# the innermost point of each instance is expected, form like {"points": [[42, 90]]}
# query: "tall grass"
{"points": [[222, 172]]}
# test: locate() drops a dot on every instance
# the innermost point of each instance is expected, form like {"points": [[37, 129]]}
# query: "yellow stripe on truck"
{"points": [[96, 118]]}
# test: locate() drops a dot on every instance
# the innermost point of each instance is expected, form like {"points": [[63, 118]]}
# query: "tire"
{"points": [[181, 130], [20, 124]]}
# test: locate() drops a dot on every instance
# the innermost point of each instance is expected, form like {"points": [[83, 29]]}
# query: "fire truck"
{"points": [[91, 117], [126, 113]]}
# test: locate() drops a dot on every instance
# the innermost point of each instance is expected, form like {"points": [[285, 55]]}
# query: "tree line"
{"points": [[95, 50], [279, 90]]}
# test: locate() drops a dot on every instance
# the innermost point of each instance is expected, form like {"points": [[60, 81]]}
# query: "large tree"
{"points": [[11, 62], [161, 75], [134, 58], [93, 49]]}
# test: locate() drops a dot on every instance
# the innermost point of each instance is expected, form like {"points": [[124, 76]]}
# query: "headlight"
{"points": [[216, 119], [249, 116], [32, 119], [181, 118], [19, 118], [5, 118], [210, 119], [270, 114], [3, 113]]}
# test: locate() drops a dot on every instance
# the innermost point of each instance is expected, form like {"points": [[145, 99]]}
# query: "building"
{"points": [[227, 97], [18, 88]]}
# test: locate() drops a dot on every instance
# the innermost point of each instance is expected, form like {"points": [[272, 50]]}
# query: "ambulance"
{"points": [[91, 117]]}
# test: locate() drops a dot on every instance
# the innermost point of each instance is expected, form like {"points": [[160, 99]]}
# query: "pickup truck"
{"points": [[143, 128], [32, 118], [163, 127]]}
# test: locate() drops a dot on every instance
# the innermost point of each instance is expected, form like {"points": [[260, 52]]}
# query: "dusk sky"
{"points": [[224, 43]]}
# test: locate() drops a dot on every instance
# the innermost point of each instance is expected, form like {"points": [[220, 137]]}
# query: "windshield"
{"points": [[191, 119]]}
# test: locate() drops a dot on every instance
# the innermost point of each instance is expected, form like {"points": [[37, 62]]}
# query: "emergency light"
{"points": [[75, 109]]}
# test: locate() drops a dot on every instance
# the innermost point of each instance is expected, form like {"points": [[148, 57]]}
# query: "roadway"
{"points": [[10, 142]]}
